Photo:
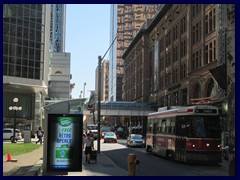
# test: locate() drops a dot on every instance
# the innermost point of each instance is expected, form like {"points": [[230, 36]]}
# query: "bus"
{"points": [[188, 133]]}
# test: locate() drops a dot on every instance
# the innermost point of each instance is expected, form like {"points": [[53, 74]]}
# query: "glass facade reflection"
{"points": [[25, 62], [22, 42]]}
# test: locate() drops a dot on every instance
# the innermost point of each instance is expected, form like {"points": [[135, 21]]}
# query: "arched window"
{"points": [[197, 91], [211, 90]]}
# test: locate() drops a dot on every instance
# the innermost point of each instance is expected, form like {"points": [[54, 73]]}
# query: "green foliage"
{"points": [[19, 148]]}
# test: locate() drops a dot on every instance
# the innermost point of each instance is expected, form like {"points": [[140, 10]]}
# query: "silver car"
{"points": [[8, 134], [135, 140]]}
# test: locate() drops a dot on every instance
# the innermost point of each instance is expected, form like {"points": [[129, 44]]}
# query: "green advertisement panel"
{"points": [[64, 142]]}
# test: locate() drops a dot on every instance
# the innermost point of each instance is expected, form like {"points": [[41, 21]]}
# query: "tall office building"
{"points": [[104, 80], [126, 20], [26, 30], [59, 86], [58, 27]]}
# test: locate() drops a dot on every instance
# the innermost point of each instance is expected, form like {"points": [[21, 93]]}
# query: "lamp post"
{"points": [[15, 108]]}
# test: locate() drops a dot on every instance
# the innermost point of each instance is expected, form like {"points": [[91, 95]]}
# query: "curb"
{"points": [[35, 170]]}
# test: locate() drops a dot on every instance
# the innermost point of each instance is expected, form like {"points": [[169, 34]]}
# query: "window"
{"points": [[196, 60], [206, 24], [163, 126], [183, 72], [210, 52], [196, 9], [168, 60], [183, 97], [183, 51], [196, 32], [210, 21], [161, 64], [175, 98], [197, 92], [183, 126], [183, 25], [175, 32], [206, 55], [175, 75], [175, 54]]}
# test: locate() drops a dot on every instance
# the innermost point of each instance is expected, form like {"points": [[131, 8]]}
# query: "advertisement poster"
{"points": [[64, 142]]}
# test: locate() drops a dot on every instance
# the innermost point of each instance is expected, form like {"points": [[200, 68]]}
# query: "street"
{"points": [[152, 165]]}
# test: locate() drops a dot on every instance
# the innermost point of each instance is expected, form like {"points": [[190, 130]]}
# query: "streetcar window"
{"points": [[155, 128], [207, 126], [163, 125], [212, 126], [183, 126], [172, 126], [199, 129]]}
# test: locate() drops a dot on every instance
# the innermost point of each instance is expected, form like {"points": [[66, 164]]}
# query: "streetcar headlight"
{"points": [[193, 145], [219, 146], [207, 144]]}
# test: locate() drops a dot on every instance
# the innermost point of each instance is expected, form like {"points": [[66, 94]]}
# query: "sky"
{"points": [[87, 37]]}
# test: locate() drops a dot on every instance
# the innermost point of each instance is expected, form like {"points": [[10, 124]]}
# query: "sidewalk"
{"points": [[30, 164]]}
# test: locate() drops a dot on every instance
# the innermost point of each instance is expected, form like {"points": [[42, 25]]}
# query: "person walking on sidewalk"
{"points": [[92, 138], [39, 133], [88, 147]]}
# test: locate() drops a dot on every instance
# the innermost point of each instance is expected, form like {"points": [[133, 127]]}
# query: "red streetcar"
{"points": [[188, 134]]}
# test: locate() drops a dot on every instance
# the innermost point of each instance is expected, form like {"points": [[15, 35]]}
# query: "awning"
{"points": [[219, 74], [24, 88]]}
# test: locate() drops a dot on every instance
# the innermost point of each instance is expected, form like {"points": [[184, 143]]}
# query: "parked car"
{"points": [[110, 137], [135, 140], [8, 134], [225, 152]]}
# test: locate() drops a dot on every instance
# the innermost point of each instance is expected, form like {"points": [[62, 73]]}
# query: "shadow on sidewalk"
{"points": [[18, 171]]}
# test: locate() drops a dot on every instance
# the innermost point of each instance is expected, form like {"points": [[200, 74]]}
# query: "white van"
{"points": [[8, 134]]}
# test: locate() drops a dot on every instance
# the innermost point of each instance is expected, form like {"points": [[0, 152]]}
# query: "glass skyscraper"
{"points": [[26, 30]]}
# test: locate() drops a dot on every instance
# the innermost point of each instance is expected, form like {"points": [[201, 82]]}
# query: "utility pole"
{"points": [[230, 60], [99, 100], [99, 91]]}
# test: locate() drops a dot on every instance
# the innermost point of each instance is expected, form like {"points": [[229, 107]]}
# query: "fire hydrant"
{"points": [[131, 164]]}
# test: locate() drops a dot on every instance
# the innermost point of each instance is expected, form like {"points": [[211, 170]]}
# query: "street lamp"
{"points": [[99, 91], [84, 89], [15, 108]]}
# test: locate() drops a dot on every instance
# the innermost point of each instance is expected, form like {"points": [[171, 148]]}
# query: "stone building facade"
{"points": [[168, 62]]}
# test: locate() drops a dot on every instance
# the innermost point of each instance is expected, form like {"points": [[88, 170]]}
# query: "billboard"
{"points": [[64, 144]]}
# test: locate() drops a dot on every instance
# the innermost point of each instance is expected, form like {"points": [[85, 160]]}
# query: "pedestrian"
{"points": [[39, 133], [88, 147], [92, 138]]}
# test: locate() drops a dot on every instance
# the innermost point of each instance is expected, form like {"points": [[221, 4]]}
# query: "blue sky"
{"points": [[87, 37]]}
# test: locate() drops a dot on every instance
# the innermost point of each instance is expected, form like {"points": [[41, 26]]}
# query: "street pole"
{"points": [[15, 108], [84, 90], [230, 60], [99, 100], [14, 126], [99, 91]]}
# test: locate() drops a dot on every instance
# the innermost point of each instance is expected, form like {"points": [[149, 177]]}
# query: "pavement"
{"points": [[31, 164]]}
